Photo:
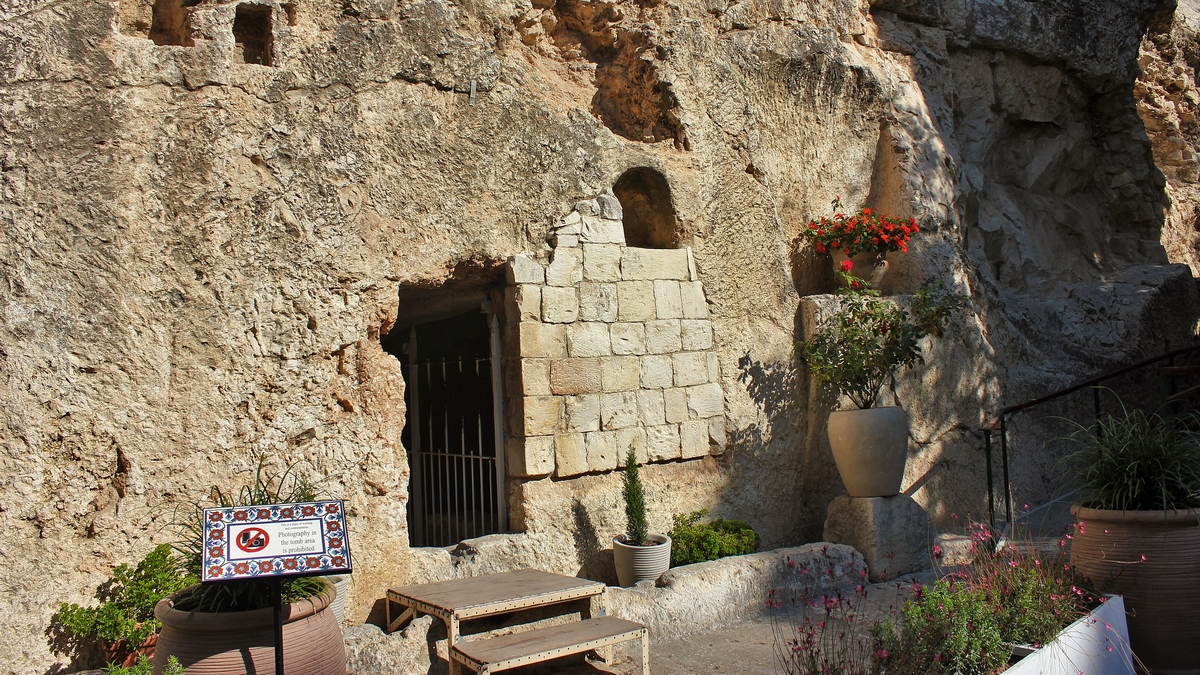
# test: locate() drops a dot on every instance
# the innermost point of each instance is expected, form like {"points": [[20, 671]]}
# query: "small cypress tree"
{"points": [[637, 528]]}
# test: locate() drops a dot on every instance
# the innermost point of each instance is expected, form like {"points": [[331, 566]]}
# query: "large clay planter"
{"points": [[870, 448], [235, 643], [639, 563], [1162, 591]]}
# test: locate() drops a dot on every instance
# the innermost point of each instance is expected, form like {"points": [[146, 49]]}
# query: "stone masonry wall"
{"points": [[616, 351]]}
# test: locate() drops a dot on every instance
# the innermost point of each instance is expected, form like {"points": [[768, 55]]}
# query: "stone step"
{"points": [[543, 644]]}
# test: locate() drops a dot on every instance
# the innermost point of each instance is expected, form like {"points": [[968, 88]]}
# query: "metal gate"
{"points": [[456, 455]]}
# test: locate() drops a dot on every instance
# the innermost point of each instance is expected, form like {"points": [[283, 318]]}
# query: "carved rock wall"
{"points": [[201, 254]]}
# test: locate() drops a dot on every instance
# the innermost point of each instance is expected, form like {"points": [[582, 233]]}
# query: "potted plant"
{"points": [[855, 351], [864, 238], [1137, 528], [228, 626], [639, 554]]}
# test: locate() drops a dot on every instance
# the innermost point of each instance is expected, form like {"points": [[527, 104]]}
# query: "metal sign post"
{"points": [[273, 541]]}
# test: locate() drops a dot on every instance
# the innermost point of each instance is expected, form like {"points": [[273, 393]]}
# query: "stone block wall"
{"points": [[615, 349]]}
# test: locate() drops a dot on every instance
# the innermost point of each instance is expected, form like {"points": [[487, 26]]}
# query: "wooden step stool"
{"points": [[491, 594]]}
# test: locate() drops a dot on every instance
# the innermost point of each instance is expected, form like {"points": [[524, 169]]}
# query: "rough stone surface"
{"points": [[369, 651], [894, 534], [203, 257]]}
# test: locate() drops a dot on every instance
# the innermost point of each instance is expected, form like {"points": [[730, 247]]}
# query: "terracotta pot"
{"points": [[235, 643], [869, 266], [639, 563], [870, 448], [1161, 591]]}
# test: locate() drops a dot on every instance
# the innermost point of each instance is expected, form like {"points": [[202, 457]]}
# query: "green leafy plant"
{"points": [[124, 618], [1131, 461], [867, 340], [637, 527], [288, 486], [945, 629], [693, 541], [144, 667]]}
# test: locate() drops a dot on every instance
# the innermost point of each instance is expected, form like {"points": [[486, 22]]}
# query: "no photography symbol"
{"points": [[252, 539]]}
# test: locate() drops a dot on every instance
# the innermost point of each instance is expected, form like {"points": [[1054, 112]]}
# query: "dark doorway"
{"points": [[645, 198], [456, 490], [252, 33]]}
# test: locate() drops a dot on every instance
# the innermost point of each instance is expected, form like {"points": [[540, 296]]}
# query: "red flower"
{"points": [[214, 553], [338, 561], [265, 566], [332, 526], [820, 248], [264, 513], [308, 510], [286, 513], [847, 265], [214, 571], [335, 543], [241, 568], [216, 534], [834, 245], [332, 508], [313, 562], [866, 212], [240, 515], [875, 240], [214, 516], [290, 563]]}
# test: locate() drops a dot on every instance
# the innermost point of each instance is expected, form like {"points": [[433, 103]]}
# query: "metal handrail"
{"points": [[1000, 423]]}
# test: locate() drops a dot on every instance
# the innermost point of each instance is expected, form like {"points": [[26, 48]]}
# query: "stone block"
{"points": [[602, 450], [583, 413], [602, 262], [587, 207], [541, 415], [618, 410], [628, 338], [667, 304], [696, 334], [651, 409], [714, 368], [543, 340], [610, 206], [893, 534], [570, 455], [597, 301], [635, 301], [601, 231], [523, 270], [566, 267], [675, 405], [706, 400], [560, 304], [575, 376], [561, 240], [634, 437], [620, 373], [663, 337], [657, 371], [589, 338], [716, 435], [691, 368], [691, 295], [662, 442], [570, 224], [524, 301], [654, 263], [535, 376], [693, 439], [531, 457]]}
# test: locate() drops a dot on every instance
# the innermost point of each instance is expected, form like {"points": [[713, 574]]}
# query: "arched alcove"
{"points": [[649, 215]]}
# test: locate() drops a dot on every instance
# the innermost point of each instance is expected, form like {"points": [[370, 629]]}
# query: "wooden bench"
{"points": [[519, 649], [476, 597]]}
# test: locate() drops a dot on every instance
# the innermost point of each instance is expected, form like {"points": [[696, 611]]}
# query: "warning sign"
{"points": [[275, 540]]}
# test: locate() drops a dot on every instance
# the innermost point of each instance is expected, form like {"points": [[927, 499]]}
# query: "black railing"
{"points": [[1000, 421]]}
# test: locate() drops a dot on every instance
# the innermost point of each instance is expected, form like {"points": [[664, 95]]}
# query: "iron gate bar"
{"points": [[999, 422]]}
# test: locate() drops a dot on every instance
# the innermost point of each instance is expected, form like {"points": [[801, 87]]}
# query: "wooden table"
{"points": [[460, 599]]}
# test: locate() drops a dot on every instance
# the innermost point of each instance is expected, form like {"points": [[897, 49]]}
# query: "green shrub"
{"points": [[637, 527], [693, 541], [126, 610], [143, 667], [944, 630]]}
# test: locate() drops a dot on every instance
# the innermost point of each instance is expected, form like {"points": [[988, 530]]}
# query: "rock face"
{"points": [[214, 212]]}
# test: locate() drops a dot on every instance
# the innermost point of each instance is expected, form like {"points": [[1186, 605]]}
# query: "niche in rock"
{"points": [[170, 23], [649, 215], [252, 33]]}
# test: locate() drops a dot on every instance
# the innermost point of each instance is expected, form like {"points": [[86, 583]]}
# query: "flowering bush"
{"points": [[868, 339], [865, 231], [949, 628]]}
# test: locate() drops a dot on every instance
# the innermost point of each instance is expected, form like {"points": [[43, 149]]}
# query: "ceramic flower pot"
{"points": [[639, 563], [870, 448], [1152, 558], [235, 643], [869, 266]]}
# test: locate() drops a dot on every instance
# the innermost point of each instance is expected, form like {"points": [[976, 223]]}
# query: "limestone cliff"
{"points": [[211, 209]]}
